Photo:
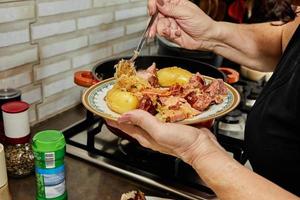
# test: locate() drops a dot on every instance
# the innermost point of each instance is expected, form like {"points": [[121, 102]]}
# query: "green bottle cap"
{"points": [[48, 141]]}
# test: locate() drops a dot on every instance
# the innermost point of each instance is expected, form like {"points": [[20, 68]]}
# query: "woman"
{"points": [[272, 136]]}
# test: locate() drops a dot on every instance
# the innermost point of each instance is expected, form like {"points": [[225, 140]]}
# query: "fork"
{"points": [[143, 38]]}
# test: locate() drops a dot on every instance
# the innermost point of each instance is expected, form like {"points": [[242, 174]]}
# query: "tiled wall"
{"points": [[43, 42]]}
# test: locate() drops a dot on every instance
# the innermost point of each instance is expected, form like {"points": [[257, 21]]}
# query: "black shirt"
{"points": [[273, 126]]}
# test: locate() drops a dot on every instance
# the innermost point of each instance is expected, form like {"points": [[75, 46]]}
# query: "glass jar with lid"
{"points": [[18, 152]]}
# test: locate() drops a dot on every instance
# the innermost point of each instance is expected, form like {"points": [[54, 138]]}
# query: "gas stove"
{"points": [[91, 140]]}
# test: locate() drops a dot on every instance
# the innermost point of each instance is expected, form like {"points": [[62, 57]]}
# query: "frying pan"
{"points": [[106, 70]]}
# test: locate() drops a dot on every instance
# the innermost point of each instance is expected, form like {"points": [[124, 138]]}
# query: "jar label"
{"points": [[51, 182], [50, 160]]}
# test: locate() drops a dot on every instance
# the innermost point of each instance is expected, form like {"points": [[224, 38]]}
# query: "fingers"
{"points": [[175, 31], [163, 27], [135, 132], [142, 119], [170, 8], [151, 7], [168, 28]]}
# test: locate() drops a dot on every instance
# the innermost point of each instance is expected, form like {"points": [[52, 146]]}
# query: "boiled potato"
{"points": [[172, 75], [120, 101]]}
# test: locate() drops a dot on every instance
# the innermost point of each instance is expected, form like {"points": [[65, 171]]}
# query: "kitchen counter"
{"points": [[84, 180]]}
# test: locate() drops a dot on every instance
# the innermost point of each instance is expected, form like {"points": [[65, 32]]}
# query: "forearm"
{"points": [[258, 46], [230, 180]]}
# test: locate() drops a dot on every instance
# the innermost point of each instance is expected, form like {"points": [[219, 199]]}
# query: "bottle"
{"points": [[4, 191], [49, 151], [18, 152], [7, 95]]}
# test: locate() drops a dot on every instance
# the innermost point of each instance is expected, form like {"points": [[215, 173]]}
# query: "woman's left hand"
{"points": [[178, 140]]}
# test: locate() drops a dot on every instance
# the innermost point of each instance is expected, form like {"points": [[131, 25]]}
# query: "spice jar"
{"points": [[49, 150], [18, 151], [7, 95]]}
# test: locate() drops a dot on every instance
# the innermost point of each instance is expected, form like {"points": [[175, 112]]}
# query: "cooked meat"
{"points": [[216, 87], [175, 115], [176, 108], [173, 103], [147, 104], [203, 102], [150, 75], [196, 81]]}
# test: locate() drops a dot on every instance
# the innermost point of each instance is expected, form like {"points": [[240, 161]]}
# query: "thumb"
{"points": [[142, 119], [173, 9]]}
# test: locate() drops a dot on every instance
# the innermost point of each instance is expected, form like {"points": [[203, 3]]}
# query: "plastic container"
{"points": [[49, 151], [18, 152], [7, 95]]}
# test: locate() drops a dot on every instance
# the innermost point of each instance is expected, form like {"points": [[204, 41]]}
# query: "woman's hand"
{"points": [[188, 143], [182, 22]]}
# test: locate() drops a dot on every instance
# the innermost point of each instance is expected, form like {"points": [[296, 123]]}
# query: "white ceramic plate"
{"points": [[94, 100]]}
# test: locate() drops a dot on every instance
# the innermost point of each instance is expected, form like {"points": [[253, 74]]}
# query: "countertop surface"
{"points": [[84, 180]]}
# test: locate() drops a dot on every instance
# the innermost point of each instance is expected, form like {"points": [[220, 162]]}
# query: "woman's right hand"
{"points": [[182, 22]]}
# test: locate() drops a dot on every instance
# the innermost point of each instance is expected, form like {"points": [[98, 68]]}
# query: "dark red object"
{"points": [[237, 10], [21, 140], [15, 107]]}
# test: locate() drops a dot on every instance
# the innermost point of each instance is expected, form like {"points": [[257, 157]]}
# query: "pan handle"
{"points": [[232, 75], [84, 78]]}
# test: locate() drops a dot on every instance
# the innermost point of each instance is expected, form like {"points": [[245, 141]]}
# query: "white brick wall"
{"points": [[14, 37], [60, 103], [43, 42], [136, 27], [91, 57], [132, 12], [54, 87], [103, 36], [125, 46], [32, 94], [95, 20], [49, 69], [104, 3], [13, 57], [16, 11], [64, 46], [32, 114], [54, 28], [17, 80], [62, 6]]}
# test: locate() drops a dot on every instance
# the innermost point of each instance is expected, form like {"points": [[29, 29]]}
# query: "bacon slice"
{"points": [[164, 92], [147, 104], [196, 81], [216, 87], [203, 102], [176, 108], [150, 74]]}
